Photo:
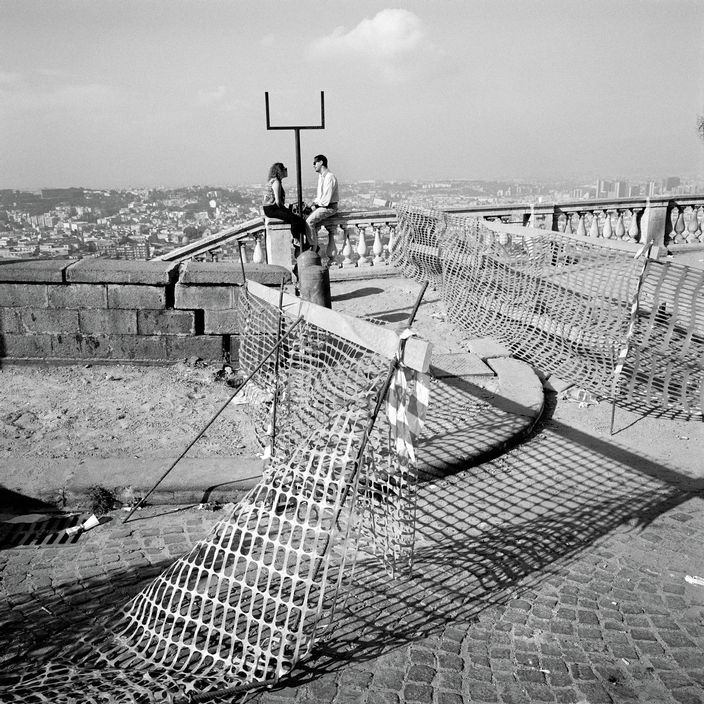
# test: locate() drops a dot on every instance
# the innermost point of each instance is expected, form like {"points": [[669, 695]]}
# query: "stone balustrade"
{"points": [[111, 311], [365, 238], [671, 223]]}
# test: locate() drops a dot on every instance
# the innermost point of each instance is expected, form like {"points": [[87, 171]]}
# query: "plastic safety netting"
{"points": [[251, 598], [597, 313]]}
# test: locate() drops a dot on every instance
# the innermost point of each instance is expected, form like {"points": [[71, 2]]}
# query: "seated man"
{"points": [[325, 203]]}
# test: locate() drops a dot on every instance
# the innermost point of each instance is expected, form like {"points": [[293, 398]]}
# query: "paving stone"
{"points": [[480, 660], [478, 674], [449, 698], [594, 693], [688, 658], [420, 673], [388, 678], [650, 647], [381, 698], [483, 692], [449, 661], [688, 696], [355, 678], [559, 679], [541, 611], [348, 695], [529, 658], [414, 692], [449, 680], [676, 639]]}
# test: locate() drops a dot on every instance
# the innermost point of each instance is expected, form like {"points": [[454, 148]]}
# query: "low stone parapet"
{"points": [[111, 311]]}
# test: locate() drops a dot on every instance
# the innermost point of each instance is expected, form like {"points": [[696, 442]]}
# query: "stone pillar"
{"points": [[654, 225], [279, 250]]}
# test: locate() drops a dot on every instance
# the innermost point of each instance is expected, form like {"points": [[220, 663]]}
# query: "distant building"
{"points": [[620, 189]]}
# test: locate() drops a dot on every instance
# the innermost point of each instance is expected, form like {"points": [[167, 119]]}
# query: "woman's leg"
{"points": [[297, 223]]}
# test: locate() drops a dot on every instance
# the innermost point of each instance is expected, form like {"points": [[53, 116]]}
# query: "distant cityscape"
{"points": [[147, 222]]}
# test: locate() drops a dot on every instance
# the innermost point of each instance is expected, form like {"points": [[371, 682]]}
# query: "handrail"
{"points": [[512, 229], [205, 244]]}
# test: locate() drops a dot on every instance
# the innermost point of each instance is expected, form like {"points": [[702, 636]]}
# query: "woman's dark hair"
{"points": [[277, 170]]}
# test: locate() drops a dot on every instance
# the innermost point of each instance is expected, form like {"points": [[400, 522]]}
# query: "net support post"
{"points": [[278, 243], [653, 227]]}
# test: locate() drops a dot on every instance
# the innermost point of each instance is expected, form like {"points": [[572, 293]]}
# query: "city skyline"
{"points": [[108, 94]]}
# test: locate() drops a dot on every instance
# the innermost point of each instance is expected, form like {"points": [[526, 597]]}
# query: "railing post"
{"points": [[551, 220], [362, 246], [331, 250], [278, 243], [653, 226]]}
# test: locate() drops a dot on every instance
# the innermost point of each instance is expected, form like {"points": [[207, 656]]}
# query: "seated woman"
{"points": [[274, 206]]}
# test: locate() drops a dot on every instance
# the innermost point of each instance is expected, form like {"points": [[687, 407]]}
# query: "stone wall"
{"points": [[103, 310]]}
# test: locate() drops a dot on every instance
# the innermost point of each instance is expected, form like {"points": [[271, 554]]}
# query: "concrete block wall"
{"points": [[110, 311]]}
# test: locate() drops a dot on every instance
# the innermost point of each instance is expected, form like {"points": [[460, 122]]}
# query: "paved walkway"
{"points": [[562, 570]]}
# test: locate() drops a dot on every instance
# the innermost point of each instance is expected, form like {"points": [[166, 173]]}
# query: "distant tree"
{"points": [[700, 127]]}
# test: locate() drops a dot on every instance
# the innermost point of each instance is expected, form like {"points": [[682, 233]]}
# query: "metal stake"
{"points": [[212, 420]]}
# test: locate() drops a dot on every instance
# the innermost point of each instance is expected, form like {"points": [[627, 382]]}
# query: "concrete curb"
{"points": [[68, 482], [472, 416]]}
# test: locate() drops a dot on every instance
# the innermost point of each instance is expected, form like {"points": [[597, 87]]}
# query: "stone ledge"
{"points": [[34, 270], [118, 271], [218, 273]]}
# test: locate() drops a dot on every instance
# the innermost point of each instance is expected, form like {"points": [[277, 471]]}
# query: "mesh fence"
{"points": [[250, 599], [586, 310]]}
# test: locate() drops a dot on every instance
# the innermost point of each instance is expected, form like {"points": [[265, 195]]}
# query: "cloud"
{"points": [[389, 41], [389, 34], [211, 96]]}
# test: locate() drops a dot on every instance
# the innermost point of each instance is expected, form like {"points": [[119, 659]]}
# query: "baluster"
{"points": [[607, 231], [347, 252], [258, 255], [693, 228], [362, 246], [620, 227], [633, 230], [377, 247], [594, 225], [391, 243], [568, 224], [331, 249], [581, 229], [679, 226]]}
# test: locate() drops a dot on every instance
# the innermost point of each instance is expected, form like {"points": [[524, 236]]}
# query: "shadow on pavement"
{"points": [[12, 503], [498, 530], [358, 293], [485, 535]]}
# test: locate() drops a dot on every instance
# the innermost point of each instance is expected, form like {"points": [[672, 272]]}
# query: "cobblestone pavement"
{"points": [[555, 572]]}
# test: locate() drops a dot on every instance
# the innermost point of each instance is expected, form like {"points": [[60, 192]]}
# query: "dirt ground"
{"points": [[147, 412], [113, 411]]}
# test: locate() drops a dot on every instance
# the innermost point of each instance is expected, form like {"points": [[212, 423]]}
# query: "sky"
{"points": [[107, 94]]}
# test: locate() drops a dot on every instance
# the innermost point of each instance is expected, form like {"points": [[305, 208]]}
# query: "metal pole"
{"points": [[298, 171], [277, 357], [244, 276], [212, 420]]}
